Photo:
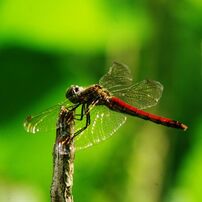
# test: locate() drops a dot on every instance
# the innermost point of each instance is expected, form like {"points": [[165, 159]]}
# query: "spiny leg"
{"points": [[88, 107], [85, 127], [83, 112]]}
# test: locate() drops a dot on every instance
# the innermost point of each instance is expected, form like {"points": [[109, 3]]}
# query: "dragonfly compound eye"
{"points": [[73, 93], [76, 89]]}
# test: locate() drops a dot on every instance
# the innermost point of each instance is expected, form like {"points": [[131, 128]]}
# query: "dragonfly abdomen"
{"points": [[121, 106]]}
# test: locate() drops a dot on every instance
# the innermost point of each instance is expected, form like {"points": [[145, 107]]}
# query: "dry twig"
{"points": [[63, 158]]}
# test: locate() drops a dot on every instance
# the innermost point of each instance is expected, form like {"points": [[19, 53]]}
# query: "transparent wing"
{"points": [[142, 95], [118, 77], [45, 121], [104, 123]]}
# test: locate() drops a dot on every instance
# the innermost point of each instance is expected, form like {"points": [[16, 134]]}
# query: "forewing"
{"points": [[142, 95], [118, 77], [103, 124], [119, 82], [45, 121]]}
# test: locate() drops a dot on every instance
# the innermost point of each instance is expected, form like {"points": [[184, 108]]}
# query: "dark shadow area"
{"points": [[28, 74], [25, 75]]}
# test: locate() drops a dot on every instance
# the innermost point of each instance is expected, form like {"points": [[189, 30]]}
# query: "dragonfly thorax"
{"points": [[73, 93], [91, 94]]}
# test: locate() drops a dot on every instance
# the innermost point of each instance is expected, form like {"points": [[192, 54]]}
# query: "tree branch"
{"points": [[63, 158]]}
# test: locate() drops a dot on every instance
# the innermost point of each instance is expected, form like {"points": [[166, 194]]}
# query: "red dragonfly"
{"points": [[102, 108]]}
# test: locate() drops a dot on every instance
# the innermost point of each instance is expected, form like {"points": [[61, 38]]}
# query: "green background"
{"points": [[46, 46]]}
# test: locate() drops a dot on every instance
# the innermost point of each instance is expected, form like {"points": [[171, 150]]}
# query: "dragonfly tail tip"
{"points": [[184, 127]]}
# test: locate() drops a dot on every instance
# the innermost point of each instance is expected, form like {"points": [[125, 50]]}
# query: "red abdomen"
{"points": [[118, 105]]}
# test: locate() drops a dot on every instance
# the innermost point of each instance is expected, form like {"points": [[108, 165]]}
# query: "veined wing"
{"points": [[46, 120], [118, 77], [142, 95], [103, 124]]}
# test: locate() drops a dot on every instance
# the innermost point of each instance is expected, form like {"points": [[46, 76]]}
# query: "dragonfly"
{"points": [[101, 109]]}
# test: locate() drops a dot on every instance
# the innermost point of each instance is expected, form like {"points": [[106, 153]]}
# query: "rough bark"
{"points": [[63, 158]]}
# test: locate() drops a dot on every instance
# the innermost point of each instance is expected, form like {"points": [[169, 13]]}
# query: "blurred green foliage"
{"points": [[46, 46]]}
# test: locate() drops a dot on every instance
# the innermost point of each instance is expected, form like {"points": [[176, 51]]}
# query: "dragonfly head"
{"points": [[73, 93]]}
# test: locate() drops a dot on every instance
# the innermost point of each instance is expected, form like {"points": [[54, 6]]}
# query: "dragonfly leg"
{"points": [[83, 111], [72, 108], [86, 112], [86, 126]]}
